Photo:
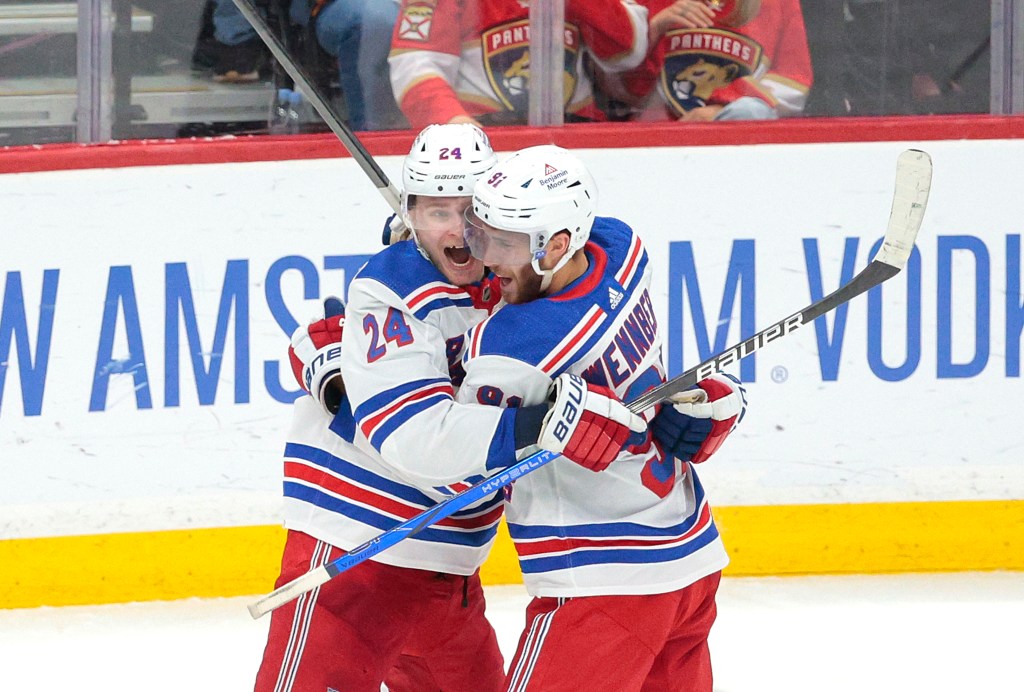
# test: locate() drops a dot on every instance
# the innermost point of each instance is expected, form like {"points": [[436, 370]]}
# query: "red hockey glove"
{"points": [[587, 424], [315, 356], [695, 431]]}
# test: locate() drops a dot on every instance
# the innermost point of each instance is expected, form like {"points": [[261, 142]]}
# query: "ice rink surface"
{"points": [[920, 633]]}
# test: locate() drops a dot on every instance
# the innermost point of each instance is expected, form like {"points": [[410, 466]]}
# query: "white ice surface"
{"points": [[879, 633]]}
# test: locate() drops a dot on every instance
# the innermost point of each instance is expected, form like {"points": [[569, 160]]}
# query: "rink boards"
{"points": [[144, 389]]}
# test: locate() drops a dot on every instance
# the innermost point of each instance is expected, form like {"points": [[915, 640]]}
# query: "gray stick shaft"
{"points": [[874, 274]]}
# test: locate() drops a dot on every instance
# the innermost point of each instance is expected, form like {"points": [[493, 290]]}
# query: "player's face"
{"points": [[494, 246], [519, 283], [508, 255], [439, 222]]}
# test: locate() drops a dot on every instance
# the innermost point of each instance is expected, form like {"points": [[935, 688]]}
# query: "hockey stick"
{"points": [[913, 181], [326, 111]]}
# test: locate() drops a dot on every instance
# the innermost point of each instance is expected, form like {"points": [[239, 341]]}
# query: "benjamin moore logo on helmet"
{"points": [[553, 175]]}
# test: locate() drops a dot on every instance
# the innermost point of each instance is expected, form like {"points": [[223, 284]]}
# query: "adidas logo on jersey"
{"points": [[614, 297]]}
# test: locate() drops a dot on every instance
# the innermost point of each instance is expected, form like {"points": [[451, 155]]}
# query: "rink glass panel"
{"points": [[111, 69]]}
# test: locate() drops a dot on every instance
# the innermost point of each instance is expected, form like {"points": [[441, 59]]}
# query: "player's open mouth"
{"points": [[459, 256]]}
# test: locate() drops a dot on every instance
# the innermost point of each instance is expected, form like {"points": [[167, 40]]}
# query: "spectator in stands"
{"points": [[721, 60], [948, 42], [880, 57], [469, 60], [357, 33], [237, 53]]}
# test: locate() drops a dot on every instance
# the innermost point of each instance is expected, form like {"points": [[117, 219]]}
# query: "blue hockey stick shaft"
{"points": [[410, 527], [447, 507]]}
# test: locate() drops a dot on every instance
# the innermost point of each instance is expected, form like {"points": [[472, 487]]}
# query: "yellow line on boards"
{"points": [[122, 567], [873, 538], [761, 540]]}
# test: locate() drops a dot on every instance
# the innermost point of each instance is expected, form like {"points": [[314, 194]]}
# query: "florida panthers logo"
{"points": [[507, 63], [698, 62], [695, 83], [516, 79]]}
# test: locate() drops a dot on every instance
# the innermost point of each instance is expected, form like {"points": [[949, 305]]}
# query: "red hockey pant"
{"points": [[654, 643], [414, 629]]}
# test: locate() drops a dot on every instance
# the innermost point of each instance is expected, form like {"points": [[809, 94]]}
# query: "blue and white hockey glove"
{"points": [[394, 230], [695, 431]]}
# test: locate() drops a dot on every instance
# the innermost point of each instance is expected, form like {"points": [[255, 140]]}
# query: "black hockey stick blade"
{"points": [[913, 182]]}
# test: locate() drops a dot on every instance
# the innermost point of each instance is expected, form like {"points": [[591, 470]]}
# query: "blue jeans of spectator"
{"points": [[358, 34], [229, 26]]}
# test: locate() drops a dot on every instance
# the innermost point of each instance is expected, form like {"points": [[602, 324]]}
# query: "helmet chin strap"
{"points": [[548, 274], [419, 247], [415, 238]]}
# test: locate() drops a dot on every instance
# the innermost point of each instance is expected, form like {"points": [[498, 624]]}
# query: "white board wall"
{"points": [[105, 425]]}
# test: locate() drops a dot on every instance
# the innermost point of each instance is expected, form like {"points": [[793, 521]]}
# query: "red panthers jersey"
{"points": [[766, 58], [475, 58]]}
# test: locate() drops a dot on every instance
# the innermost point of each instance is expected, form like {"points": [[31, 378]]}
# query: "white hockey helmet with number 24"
{"points": [[534, 194], [445, 161]]}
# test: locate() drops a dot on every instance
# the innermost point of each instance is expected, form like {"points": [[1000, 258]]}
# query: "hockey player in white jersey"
{"points": [[412, 617], [625, 563]]}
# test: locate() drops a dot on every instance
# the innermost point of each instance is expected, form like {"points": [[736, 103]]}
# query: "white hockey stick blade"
{"points": [[910, 197], [293, 589], [913, 182]]}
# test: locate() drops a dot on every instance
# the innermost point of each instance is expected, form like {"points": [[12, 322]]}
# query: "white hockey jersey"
{"points": [[337, 488], [641, 526], [402, 360]]}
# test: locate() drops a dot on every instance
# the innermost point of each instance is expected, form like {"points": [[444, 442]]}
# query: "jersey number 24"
{"points": [[396, 331]]}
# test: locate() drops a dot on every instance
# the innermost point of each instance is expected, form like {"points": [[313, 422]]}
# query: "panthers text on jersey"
{"points": [[767, 58]]}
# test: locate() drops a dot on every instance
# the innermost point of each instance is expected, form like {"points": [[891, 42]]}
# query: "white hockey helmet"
{"points": [[445, 161], [535, 193]]}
